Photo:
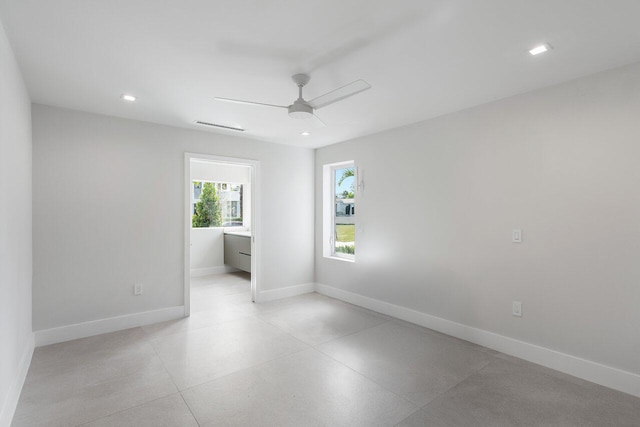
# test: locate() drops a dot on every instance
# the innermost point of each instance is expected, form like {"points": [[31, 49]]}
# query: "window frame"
{"points": [[329, 211], [218, 186]]}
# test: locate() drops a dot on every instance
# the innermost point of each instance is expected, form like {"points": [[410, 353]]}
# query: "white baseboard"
{"points": [[607, 376], [103, 326], [13, 395], [220, 269], [289, 291]]}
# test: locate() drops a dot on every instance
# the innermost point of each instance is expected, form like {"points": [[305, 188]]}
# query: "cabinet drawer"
{"points": [[237, 252]]}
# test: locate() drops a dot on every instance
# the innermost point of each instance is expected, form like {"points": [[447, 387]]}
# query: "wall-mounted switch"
{"points": [[137, 289], [516, 235], [516, 308]]}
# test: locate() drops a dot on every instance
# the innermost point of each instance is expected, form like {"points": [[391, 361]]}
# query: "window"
{"points": [[217, 204], [340, 224]]}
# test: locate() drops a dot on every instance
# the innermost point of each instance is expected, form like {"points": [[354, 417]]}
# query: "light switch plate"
{"points": [[516, 308], [516, 235]]}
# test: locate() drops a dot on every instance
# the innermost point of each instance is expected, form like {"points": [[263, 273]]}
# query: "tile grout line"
{"points": [[350, 334], [150, 338], [245, 369], [309, 346], [284, 332], [383, 321], [124, 410], [164, 367], [370, 379], [249, 315], [494, 358], [125, 376], [144, 403], [189, 408]]}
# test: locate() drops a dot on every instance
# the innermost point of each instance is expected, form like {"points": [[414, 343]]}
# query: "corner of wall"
{"points": [[15, 264], [13, 395]]}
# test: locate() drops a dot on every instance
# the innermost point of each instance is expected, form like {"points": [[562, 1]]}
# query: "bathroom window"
{"points": [[217, 204]]}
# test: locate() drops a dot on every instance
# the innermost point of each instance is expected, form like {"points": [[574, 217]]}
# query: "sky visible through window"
{"points": [[347, 183]]}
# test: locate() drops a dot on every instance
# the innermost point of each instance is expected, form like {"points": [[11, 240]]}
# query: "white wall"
{"points": [[562, 164], [16, 338], [207, 250], [97, 230]]}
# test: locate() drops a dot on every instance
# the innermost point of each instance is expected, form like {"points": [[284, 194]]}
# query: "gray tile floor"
{"points": [[303, 361]]}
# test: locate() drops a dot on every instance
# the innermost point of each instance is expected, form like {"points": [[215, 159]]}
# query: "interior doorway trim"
{"points": [[254, 167]]}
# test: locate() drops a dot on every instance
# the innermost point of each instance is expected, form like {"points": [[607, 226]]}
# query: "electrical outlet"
{"points": [[516, 308], [137, 289]]}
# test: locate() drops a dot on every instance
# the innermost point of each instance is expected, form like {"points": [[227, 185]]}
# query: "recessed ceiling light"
{"points": [[129, 98], [305, 133], [540, 49]]}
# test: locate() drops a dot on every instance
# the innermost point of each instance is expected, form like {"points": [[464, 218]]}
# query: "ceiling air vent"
{"points": [[218, 126]]}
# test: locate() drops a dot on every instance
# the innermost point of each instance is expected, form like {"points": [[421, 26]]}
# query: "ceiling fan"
{"points": [[301, 109]]}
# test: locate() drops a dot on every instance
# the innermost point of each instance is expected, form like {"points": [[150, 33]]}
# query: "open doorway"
{"points": [[221, 258]]}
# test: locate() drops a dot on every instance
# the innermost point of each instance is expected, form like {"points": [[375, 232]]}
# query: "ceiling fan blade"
{"points": [[239, 101], [339, 94]]}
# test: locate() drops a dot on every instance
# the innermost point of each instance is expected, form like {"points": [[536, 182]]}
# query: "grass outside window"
{"points": [[345, 232]]}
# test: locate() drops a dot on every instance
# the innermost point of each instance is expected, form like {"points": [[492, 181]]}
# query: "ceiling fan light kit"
{"points": [[301, 109]]}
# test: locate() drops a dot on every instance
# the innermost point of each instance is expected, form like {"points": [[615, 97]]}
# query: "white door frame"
{"points": [[254, 167]]}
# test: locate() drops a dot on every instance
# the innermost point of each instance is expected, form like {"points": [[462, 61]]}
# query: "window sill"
{"points": [[340, 258]]}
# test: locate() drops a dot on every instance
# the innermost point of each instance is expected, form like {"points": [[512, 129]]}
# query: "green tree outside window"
{"points": [[207, 209]]}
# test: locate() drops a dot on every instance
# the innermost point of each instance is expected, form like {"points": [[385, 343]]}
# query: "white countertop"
{"points": [[242, 233]]}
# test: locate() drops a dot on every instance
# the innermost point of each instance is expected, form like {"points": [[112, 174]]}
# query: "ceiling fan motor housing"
{"points": [[300, 110]]}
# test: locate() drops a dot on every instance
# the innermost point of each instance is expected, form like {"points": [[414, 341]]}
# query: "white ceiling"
{"points": [[423, 58]]}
